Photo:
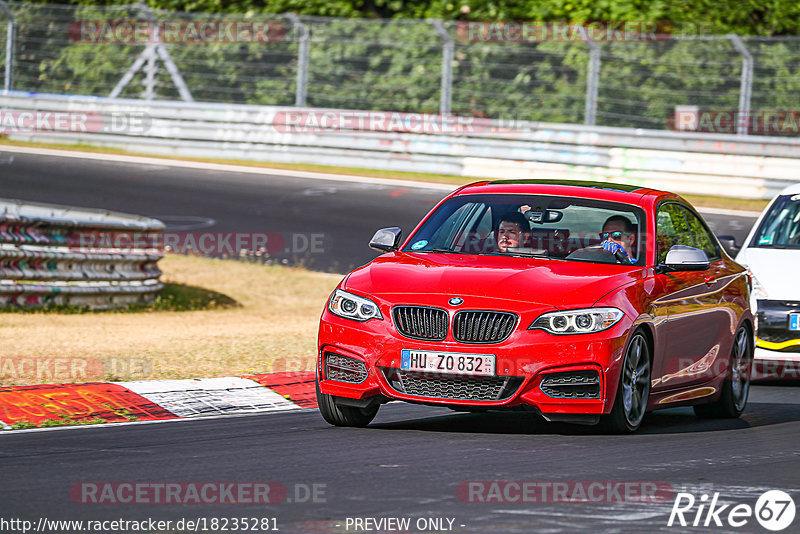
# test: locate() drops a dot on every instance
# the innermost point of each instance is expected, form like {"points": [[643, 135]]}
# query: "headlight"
{"points": [[578, 321], [350, 306], [758, 290]]}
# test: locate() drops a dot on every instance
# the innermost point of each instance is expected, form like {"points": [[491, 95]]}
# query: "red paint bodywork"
{"points": [[690, 317]]}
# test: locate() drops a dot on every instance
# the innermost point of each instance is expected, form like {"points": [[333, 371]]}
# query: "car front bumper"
{"points": [[523, 362], [777, 352]]}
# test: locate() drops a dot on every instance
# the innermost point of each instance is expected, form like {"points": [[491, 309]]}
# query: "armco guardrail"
{"points": [[739, 166], [57, 255]]}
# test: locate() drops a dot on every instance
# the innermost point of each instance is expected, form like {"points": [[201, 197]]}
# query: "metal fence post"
{"points": [[592, 80], [151, 54], [151, 69], [746, 88], [303, 50], [448, 52], [10, 30]]}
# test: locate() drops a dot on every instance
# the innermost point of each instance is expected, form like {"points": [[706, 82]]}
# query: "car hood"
{"points": [[775, 270], [562, 284]]}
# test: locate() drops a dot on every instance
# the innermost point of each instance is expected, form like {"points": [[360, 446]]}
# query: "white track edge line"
{"points": [[265, 171]]}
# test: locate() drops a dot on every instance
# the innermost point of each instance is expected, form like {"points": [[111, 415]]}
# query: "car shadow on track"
{"points": [[671, 421]]}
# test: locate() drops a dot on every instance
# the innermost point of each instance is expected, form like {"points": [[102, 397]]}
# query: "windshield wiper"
{"points": [[527, 255], [515, 254], [440, 250]]}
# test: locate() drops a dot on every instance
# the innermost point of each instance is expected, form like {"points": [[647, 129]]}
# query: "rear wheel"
{"points": [[343, 415], [630, 403], [736, 387]]}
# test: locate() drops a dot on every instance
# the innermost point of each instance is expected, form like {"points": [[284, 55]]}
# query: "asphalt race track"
{"points": [[344, 214], [409, 463], [412, 460]]}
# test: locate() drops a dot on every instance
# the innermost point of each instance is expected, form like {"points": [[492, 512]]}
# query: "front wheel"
{"points": [[343, 415], [736, 387], [630, 403]]}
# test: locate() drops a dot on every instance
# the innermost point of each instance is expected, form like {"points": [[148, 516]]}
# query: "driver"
{"points": [[513, 231], [619, 233]]}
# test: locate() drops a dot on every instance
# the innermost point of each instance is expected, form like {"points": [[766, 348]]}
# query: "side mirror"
{"points": [[683, 258], [386, 239], [728, 242]]}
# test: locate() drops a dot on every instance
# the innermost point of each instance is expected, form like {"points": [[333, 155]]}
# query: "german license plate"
{"points": [[794, 321], [447, 362]]}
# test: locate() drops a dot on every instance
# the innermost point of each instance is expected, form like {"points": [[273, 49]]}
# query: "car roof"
{"points": [[793, 189], [580, 188]]}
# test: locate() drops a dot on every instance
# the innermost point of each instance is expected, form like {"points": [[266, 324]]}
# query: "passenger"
{"points": [[619, 234], [513, 231]]}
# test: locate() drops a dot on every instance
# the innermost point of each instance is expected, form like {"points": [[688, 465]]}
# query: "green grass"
{"points": [[743, 204], [67, 420], [63, 420]]}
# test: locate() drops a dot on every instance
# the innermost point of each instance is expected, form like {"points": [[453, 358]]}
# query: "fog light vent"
{"points": [[344, 369], [572, 385]]}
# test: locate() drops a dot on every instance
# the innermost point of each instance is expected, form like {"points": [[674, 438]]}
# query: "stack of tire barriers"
{"points": [[54, 255]]}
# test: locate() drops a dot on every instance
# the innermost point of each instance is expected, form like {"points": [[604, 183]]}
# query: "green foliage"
{"points": [[390, 59], [747, 17]]}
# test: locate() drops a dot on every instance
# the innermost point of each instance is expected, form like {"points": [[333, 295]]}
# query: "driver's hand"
{"points": [[613, 247]]}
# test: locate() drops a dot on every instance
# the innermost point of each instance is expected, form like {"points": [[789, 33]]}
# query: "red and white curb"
{"points": [[153, 400]]}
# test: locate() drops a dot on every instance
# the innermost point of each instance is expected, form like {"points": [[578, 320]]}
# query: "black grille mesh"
{"points": [[344, 369], [483, 326], [420, 322], [473, 388], [572, 385]]}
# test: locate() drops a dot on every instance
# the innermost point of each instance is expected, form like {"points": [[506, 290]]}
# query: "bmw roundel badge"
{"points": [[456, 301]]}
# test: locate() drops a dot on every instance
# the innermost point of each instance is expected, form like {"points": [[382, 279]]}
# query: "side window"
{"points": [[676, 225], [700, 236], [669, 221]]}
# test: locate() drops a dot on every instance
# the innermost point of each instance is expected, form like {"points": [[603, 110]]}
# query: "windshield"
{"points": [[552, 227], [781, 227]]}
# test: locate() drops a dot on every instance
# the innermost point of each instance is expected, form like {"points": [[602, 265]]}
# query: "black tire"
{"points": [[344, 415], [736, 387], [630, 403]]}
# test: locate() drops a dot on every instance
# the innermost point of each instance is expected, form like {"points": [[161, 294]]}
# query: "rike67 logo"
{"points": [[774, 510]]}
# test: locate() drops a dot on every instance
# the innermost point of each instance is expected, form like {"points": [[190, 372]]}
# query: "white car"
{"points": [[771, 252]]}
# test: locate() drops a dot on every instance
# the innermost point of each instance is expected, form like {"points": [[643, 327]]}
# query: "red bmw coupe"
{"points": [[586, 302]]}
